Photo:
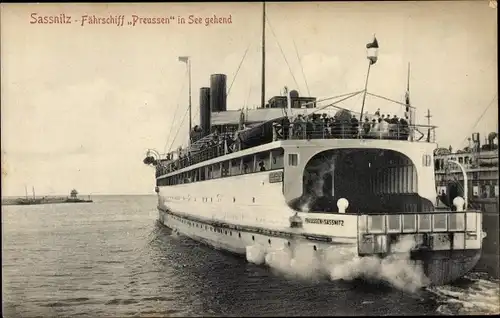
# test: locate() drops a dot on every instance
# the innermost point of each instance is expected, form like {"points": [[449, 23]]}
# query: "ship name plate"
{"points": [[276, 176], [325, 221]]}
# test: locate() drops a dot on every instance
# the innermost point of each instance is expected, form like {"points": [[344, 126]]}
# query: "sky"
{"points": [[80, 105]]}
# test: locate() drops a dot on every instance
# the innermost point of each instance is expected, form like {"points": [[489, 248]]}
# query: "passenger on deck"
{"points": [[309, 128], [276, 132], [384, 129], [375, 132], [262, 166], [377, 113], [404, 129], [354, 126], [285, 127], [299, 127], [366, 127], [236, 142], [388, 118]]}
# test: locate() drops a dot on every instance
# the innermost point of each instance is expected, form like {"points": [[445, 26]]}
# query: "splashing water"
{"points": [[301, 261], [478, 296]]}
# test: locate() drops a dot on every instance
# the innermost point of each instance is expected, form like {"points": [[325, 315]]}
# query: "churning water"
{"points": [[111, 258]]}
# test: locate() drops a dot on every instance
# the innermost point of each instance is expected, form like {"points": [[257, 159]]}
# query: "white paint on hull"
{"points": [[232, 240], [249, 200]]}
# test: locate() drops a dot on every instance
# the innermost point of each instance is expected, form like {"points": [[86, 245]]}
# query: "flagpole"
{"points": [[364, 94], [372, 49]]}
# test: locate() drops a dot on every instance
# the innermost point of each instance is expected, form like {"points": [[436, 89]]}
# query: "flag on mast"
{"points": [[184, 59], [407, 95], [372, 51]]}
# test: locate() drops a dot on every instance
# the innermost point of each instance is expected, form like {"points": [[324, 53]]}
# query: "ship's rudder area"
{"points": [[445, 245]]}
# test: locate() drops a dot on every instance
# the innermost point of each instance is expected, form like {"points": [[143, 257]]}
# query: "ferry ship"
{"points": [[292, 172], [481, 189]]}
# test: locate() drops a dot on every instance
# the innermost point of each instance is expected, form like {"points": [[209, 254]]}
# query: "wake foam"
{"points": [[339, 262], [477, 296]]}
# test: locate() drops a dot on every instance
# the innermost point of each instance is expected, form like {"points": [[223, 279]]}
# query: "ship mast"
{"points": [[428, 124], [263, 82]]}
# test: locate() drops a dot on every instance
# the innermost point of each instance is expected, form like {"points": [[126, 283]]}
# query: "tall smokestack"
{"points": [[218, 93], [205, 114]]}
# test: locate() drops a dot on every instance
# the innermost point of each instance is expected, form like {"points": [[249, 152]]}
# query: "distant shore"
{"points": [[42, 200]]}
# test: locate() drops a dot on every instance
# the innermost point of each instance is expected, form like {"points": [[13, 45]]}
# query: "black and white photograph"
{"points": [[247, 159]]}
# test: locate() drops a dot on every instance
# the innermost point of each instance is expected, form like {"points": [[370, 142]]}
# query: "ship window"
{"points": [[460, 159], [263, 161], [239, 235], [253, 238], [235, 167], [277, 157], [216, 171], [248, 164], [293, 159], [426, 160], [225, 169]]}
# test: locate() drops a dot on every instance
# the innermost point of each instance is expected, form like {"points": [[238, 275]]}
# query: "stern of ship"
{"points": [[388, 188]]}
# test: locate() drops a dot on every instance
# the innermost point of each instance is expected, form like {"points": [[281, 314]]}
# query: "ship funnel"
{"points": [[218, 93], [491, 137], [205, 114]]}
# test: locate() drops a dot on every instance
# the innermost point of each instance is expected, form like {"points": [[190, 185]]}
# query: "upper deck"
{"points": [[309, 127]]}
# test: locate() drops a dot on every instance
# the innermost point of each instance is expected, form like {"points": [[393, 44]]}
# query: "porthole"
{"points": [[314, 248], [253, 238], [269, 241], [239, 235], [288, 243], [230, 233], [253, 199], [234, 199], [225, 232]]}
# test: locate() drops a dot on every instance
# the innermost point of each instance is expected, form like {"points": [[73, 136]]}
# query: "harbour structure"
{"points": [[481, 188], [253, 181], [72, 198]]}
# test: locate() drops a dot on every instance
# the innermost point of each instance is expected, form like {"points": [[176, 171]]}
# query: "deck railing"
{"points": [[214, 146]]}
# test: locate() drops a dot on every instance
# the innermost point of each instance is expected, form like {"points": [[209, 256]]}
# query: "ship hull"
{"points": [[254, 243], [490, 258], [254, 212]]}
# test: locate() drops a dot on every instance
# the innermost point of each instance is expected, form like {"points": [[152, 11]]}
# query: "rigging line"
{"points": [[390, 100], [239, 66], [302, 68], [248, 97], [484, 112], [175, 113], [178, 129], [282, 52]]}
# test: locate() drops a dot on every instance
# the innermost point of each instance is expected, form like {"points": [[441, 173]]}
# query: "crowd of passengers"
{"points": [[314, 126], [342, 125]]}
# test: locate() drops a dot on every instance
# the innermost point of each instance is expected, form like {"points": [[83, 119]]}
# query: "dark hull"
{"points": [[489, 261]]}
